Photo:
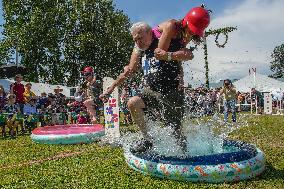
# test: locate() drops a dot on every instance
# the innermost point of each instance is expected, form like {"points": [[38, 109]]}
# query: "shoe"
{"points": [[141, 146]]}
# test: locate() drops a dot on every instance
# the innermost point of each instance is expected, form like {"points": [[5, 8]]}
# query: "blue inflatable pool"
{"points": [[247, 162]]}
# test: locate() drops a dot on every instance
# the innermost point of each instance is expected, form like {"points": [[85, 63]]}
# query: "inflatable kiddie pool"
{"points": [[245, 162], [68, 134]]}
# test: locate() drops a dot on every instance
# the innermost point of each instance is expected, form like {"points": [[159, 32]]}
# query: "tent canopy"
{"points": [[37, 88], [261, 83]]}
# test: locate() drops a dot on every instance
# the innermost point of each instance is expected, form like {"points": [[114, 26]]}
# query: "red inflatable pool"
{"points": [[68, 134]]}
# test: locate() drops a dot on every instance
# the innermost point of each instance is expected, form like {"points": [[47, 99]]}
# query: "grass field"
{"points": [[24, 164]]}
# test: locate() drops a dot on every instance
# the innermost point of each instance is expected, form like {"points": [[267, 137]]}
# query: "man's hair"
{"points": [[18, 76], [140, 26]]}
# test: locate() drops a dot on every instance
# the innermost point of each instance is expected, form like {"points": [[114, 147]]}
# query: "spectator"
{"points": [[77, 105], [30, 106], [240, 100], [123, 104], [28, 93], [258, 98], [51, 104], [3, 98], [18, 90], [93, 91], [229, 99], [59, 99], [11, 107], [42, 101]]}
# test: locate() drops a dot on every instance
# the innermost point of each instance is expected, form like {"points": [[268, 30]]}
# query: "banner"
{"points": [[111, 112]]}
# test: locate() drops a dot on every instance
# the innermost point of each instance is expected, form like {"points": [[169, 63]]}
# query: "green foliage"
{"points": [[24, 164], [216, 33], [56, 39], [277, 63]]}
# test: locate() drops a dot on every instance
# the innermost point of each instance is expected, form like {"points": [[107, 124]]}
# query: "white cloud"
{"points": [[260, 26]]}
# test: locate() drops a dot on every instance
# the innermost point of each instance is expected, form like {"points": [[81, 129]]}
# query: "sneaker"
{"points": [[141, 146]]}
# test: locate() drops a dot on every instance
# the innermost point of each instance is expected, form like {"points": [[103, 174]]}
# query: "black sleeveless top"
{"points": [[160, 75]]}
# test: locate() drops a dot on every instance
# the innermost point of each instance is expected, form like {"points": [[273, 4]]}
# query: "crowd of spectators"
{"points": [[21, 104], [202, 101]]}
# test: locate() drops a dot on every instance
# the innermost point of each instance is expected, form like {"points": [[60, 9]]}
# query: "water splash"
{"points": [[204, 136]]}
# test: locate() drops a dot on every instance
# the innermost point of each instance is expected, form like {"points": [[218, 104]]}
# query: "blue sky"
{"points": [[156, 11], [260, 26], [260, 30]]}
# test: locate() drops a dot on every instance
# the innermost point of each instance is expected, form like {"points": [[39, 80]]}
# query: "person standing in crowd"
{"points": [[3, 98], [59, 99], [162, 50], [28, 93], [30, 106], [11, 108], [94, 88], [258, 98], [42, 101], [18, 89], [229, 99]]}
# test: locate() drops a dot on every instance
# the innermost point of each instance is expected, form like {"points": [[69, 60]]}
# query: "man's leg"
{"points": [[91, 109], [136, 106], [173, 113]]}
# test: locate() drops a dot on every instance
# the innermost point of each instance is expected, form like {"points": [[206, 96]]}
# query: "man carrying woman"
{"points": [[160, 52]]}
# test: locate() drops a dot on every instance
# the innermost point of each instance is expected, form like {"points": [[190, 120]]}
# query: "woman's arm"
{"points": [[168, 30], [181, 55]]}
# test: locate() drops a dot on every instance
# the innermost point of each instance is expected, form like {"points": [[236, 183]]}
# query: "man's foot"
{"points": [[141, 146]]}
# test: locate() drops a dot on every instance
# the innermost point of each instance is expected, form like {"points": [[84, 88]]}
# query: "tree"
{"points": [[277, 63], [56, 39]]}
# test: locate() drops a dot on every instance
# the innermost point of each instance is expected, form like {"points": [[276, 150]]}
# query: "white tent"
{"points": [[37, 88], [260, 82]]}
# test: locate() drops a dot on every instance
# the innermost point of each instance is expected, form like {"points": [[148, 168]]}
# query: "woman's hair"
{"points": [[140, 26], [197, 39]]}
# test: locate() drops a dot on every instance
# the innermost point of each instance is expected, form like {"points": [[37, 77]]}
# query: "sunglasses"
{"points": [[86, 74]]}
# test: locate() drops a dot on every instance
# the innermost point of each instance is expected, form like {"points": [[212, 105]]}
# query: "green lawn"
{"points": [[24, 164]]}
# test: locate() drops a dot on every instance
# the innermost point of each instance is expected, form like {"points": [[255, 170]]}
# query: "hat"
{"points": [[28, 84], [11, 95], [58, 89], [18, 76]]}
